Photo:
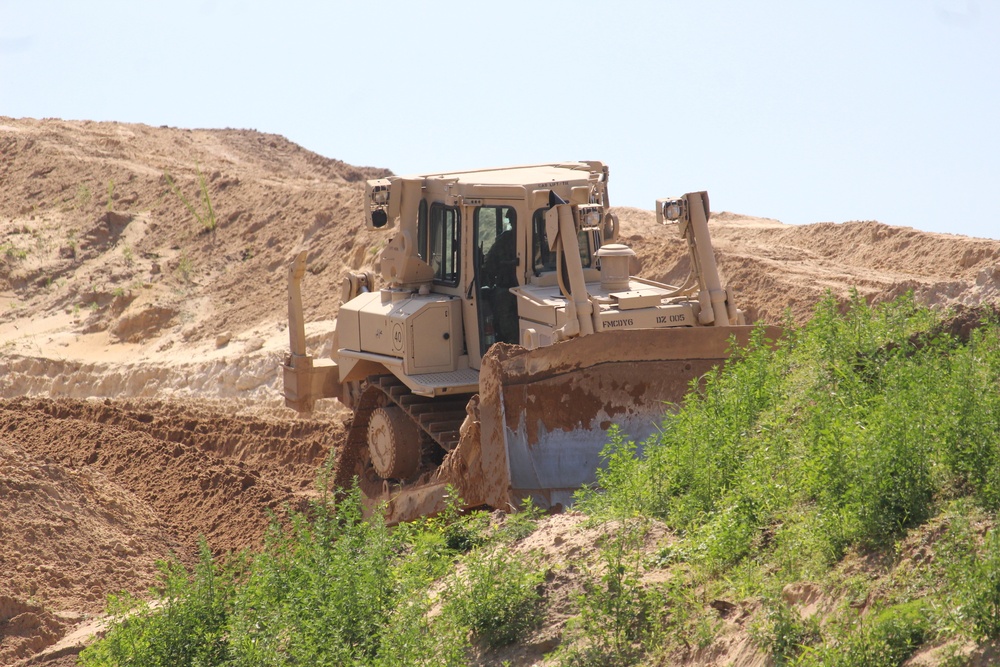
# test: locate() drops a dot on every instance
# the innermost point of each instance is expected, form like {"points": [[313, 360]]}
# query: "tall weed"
{"points": [[973, 574], [320, 593], [783, 633], [496, 596], [329, 588], [203, 212], [188, 625], [615, 609], [882, 639]]}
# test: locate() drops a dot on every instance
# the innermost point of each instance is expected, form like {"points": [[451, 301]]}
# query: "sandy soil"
{"points": [[140, 402]]}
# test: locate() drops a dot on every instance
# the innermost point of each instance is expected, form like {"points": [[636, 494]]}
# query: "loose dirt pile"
{"points": [[148, 266], [92, 494]]}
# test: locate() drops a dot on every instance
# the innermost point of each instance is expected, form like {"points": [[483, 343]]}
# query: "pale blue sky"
{"points": [[798, 110]]}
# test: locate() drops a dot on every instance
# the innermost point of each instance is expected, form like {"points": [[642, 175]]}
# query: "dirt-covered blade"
{"points": [[545, 412]]}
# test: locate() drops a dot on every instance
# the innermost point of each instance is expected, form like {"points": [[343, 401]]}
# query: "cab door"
{"points": [[496, 262]]}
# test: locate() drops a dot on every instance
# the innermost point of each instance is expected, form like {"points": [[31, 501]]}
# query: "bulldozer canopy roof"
{"points": [[521, 175]]}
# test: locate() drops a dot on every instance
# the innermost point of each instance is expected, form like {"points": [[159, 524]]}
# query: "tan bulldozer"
{"points": [[506, 337]]}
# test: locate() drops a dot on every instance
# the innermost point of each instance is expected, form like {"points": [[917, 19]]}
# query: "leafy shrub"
{"points": [[462, 532], [331, 588], [411, 636], [319, 593], [974, 574], [885, 640], [783, 633], [854, 423], [187, 627], [969, 416], [497, 596], [615, 608]]}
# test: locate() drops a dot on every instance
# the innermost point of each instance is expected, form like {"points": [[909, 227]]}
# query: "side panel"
{"points": [[434, 338], [423, 331], [349, 320], [377, 335]]}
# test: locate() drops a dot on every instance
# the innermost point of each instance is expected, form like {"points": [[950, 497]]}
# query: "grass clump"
{"points": [[971, 568], [882, 639], [783, 633], [615, 609], [11, 251], [187, 626], [319, 593], [331, 588]]}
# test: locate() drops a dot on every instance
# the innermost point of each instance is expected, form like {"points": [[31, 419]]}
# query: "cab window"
{"points": [[544, 257], [422, 230], [495, 229], [496, 233], [444, 244]]}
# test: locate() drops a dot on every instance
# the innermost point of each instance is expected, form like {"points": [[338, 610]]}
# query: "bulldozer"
{"points": [[506, 336]]}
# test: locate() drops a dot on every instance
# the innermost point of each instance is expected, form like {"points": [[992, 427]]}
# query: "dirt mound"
{"points": [[94, 493], [25, 629], [285, 451], [773, 267], [124, 233]]}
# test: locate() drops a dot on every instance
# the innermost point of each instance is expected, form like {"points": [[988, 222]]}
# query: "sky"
{"points": [[798, 110]]}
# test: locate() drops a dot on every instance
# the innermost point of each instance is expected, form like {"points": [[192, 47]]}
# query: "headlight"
{"points": [[590, 217], [380, 196], [673, 210]]}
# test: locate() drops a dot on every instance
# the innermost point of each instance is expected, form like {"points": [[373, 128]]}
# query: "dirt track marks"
{"points": [[201, 473], [287, 451], [93, 493]]}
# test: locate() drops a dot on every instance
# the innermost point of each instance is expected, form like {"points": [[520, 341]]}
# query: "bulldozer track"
{"points": [[439, 420]]}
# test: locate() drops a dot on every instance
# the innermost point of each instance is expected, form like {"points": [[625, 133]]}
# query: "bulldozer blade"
{"points": [[545, 413]]}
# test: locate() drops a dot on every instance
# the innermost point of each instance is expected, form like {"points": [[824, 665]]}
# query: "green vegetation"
{"points": [[72, 242], [857, 458], [185, 267], [83, 196], [9, 250], [833, 443], [497, 596], [844, 435], [186, 627], [203, 212], [617, 614], [333, 589]]}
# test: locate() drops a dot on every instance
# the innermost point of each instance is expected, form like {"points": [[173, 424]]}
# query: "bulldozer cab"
{"points": [[477, 235]]}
